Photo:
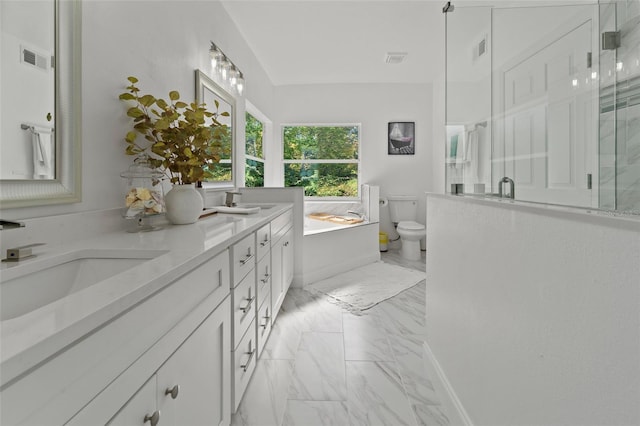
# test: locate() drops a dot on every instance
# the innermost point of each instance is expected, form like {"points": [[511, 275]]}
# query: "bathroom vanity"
{"points": [[173, 339]]}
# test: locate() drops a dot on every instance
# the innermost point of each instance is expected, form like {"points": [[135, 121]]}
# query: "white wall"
{"points": [[161, 43], [373, 106], [533, 314]]}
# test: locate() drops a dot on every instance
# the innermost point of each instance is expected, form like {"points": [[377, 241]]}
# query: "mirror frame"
{"points": [[203, 82], [66, 187]]}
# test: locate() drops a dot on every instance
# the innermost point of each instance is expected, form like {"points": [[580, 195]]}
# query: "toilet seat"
{"points": [[410, 225]]}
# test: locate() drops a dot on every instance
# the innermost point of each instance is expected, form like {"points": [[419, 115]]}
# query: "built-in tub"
{"points": [[331, 248]]}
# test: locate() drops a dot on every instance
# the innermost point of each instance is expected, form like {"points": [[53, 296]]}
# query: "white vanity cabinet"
{"points": [[256, 279], [190, 388], [281, 260], [178, 336]]}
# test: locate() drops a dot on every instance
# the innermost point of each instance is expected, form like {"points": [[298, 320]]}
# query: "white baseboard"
{"points": [[452, 405]]}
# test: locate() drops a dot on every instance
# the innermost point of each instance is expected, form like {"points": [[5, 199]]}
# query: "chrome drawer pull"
{"points": [[266, 323], [153, 419], [265, 279], [264, 243], [286, 243], [245, 367], [246, 259], [246, 308], [173, 391]]}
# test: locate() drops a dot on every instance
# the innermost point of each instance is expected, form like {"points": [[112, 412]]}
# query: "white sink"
{"points": [[27, 286], [262, 206], [244, 208]]}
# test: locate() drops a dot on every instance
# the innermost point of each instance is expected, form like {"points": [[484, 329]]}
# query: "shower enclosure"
{"points": [[546, 95]]}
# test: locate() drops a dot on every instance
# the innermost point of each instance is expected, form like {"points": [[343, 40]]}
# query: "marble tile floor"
{"points": [[324, 366]]}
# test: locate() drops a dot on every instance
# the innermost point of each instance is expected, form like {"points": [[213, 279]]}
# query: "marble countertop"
{"points": [[31, 338]]}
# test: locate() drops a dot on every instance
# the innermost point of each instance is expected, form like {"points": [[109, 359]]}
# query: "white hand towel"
{"points": [[43, 153], [472, 156]]}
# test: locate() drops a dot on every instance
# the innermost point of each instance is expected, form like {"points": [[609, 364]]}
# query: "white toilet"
{"points": [[403, 210]]}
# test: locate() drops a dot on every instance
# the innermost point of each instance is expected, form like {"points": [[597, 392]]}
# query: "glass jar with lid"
{"points": [[144, 196]]}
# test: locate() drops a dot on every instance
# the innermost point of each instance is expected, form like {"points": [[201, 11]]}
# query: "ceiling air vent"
{"points": [[32, 58], [395, 57]]}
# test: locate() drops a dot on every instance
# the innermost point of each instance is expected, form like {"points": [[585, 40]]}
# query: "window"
{"points": [[254, 153], [323, 159]]}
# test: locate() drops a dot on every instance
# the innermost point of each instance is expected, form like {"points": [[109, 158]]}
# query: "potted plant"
{"points": [[185, 140]]}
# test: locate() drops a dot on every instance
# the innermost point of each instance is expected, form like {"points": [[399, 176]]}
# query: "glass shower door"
{"points": [[620, 106]]}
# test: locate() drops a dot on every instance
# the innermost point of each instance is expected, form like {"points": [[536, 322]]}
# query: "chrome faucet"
{"points": [[19, 253], [355, 213], [8, 224], [229, 199], [512, 189]]}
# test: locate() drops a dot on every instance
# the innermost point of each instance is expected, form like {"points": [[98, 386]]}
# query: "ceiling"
{"points": [[330, 41]]}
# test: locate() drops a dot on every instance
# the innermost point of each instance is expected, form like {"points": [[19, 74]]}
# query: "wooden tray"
{"points": [[335, 219]]}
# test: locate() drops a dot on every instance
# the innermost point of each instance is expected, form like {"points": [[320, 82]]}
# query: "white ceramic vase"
{"points": [[184, 204]]}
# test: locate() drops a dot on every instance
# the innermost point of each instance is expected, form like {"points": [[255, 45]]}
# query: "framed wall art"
{"points": [[401, 138]]}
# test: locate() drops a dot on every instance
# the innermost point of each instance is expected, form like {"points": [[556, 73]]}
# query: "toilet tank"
{"points": [[403, 207]]}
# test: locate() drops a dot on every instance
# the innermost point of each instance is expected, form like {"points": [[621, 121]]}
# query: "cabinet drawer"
{"points": [[263, 272], [244, 306], [243, 258], [280, 224], [244, 362], [263, 323], [263, 240]]}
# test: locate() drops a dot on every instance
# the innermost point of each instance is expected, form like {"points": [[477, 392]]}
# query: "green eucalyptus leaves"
{"points": [[184, 139]]}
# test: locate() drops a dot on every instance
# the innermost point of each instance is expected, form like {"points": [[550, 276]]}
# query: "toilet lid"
{"points": [[410, 225]]}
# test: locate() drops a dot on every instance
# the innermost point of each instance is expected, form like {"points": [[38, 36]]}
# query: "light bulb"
{"points": [[225, 70], [233, 76], [240, 84]]}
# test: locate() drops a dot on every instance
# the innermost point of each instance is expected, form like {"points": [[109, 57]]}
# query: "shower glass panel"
{"points": [[620, 107], [534, 96]]}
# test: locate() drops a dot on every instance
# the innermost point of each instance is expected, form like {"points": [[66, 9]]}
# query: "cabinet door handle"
{"points": [[244, 309], [266, 323], [246, 259], [264, 243], [245, 367], [286, 243], [152, 419], [173, 391], [265, 279]]}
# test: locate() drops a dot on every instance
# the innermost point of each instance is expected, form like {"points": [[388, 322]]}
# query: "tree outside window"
{"points": [[254, 153], [323, 159]]}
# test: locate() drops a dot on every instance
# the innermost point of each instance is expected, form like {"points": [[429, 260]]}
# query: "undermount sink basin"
{"points": [[262, 206], [244, 208], [37, 283]]}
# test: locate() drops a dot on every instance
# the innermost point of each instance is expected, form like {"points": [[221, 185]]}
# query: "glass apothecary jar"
{"points": [[144, 196]]}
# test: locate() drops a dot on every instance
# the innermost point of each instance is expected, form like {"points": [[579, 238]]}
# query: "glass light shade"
{"points": [[224, 72], [217, 58], [233, 76], [240, 84]]}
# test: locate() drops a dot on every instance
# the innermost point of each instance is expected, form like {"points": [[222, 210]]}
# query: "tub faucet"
{"points": [[512, 189], [355, 213]]}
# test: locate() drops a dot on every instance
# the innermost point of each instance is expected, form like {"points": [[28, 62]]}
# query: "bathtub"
{"points": [[331, 248]]}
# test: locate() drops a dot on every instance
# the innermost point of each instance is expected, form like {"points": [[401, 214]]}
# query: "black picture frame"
{"points": [[401, 138]]}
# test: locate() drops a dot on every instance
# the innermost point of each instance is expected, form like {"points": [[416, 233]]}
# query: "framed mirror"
{"points": [[40, 142], [210, 93]]}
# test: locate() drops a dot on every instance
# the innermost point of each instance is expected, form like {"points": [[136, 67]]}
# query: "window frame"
{"points": [[254, 158], [356, 161]]}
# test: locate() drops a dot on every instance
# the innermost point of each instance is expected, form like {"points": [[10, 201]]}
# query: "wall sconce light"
{"points": [[225, 69]]}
